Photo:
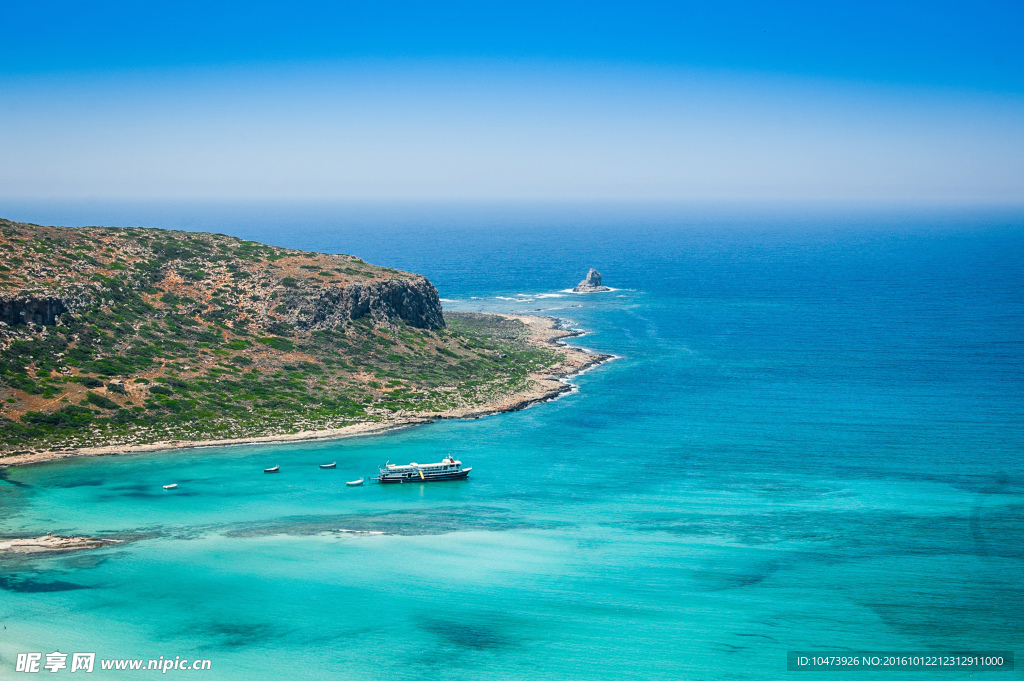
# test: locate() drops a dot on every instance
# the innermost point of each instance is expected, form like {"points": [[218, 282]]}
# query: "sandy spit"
{"points": [[52, 543]]}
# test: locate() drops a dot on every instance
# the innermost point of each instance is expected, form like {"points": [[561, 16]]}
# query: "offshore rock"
{"points": [[591, 284]]}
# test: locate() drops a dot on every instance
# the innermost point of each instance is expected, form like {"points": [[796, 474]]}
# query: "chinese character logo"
{"points": [[28, 662], [82, 662]]}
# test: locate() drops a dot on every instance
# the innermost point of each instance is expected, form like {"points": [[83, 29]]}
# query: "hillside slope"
{"points": [[131, 336]]}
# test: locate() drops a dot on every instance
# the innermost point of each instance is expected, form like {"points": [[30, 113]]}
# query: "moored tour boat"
{"points": [[448, 469], [272, 470]]}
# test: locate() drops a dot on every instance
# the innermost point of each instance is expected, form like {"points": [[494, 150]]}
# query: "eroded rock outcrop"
{"points": [[591, 283], [42, 310], [412, 300]]}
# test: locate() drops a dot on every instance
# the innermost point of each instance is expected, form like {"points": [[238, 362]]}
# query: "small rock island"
{"points": [[591, 283]]}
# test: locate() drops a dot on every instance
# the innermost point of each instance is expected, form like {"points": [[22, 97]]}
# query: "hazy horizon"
{"points": [[566, 102]]}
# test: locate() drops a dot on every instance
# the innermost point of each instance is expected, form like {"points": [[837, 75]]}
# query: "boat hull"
{"points": [[427, 477]]}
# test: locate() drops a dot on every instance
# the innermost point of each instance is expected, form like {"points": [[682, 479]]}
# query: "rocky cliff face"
{"points": [[208, 278], [42, 311], [413, 301]]}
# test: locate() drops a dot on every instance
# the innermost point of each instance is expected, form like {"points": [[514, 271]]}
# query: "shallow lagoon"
{"points": [[811, 440]]}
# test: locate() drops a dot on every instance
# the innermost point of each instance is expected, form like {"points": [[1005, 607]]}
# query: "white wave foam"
{"points": [[585, 293]]}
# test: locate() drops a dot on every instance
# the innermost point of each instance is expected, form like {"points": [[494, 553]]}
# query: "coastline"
{"points": [[547, 385], [51, 543]]}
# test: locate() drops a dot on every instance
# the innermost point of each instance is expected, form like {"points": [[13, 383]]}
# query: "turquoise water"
{"points": [[811, 440]]}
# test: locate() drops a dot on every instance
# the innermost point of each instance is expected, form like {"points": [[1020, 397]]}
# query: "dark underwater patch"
{"points": [[26, 585], [470, 635], [91, 482], [434, 521], [236, 634], [5, 477], [85, 561], [735, 578]]}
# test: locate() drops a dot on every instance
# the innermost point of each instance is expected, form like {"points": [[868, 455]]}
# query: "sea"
{"points": [[811, 440]]}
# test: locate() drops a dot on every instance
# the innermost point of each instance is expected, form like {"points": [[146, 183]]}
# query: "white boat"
{"points": [[329, 465], [448, 469], [354, 483], [170, 486], [272, 470]]}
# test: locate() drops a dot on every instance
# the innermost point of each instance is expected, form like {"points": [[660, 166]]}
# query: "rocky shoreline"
{"points": [[52, 543], [546, 385]]}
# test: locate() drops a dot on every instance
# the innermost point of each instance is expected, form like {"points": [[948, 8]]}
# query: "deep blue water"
{"points": [[812, 440]]}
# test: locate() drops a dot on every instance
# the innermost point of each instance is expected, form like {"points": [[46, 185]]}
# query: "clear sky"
{"points": [[553, 101]]}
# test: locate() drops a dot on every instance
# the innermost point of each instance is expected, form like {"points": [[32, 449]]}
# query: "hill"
{"points": [[120, 339]]}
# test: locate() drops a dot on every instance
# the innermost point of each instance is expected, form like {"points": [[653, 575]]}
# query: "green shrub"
{"points": [[111, 366], [68, 418], [101, 401], [77, 355], [209, 336], [278, 343]]}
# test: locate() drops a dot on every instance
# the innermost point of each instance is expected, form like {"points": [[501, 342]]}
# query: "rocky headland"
{"points": [[118, 340]]}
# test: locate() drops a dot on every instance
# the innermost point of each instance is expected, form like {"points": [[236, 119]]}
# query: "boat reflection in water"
{"points": [[448, 469]]}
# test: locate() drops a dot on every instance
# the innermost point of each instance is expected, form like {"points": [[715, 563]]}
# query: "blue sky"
{"points": [[717, 101]]}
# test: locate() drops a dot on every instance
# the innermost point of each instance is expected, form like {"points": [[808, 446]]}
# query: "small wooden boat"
{"points": [[272, 470], [329, 465], [171, 486], [355, 483]]}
